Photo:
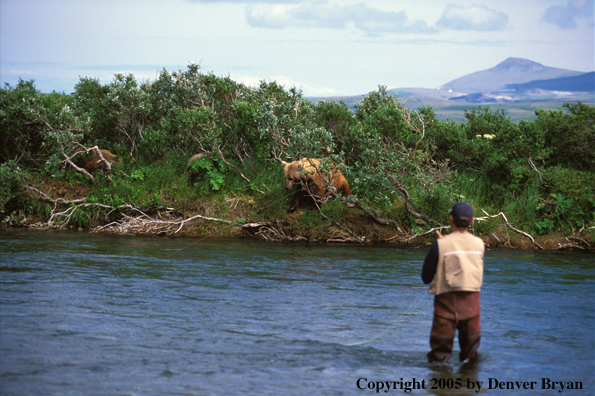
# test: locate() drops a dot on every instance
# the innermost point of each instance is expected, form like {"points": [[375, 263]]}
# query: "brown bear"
{"points": [[188, 172], [94, 162], [195, 157], [308, 171]]}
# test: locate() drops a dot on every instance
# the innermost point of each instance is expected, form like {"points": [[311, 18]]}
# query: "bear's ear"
{"points": [[284, 163]]}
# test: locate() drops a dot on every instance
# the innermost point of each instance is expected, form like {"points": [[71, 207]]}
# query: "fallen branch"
{"points": [[568, 245], [182, 223], [147, 225], [578, 232], [488, 216], [69, 212], [579, 240], [74, 205], [268, 232], [411, 238], [344, 240]]}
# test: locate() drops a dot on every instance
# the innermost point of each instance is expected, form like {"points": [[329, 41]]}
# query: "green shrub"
{"points": [[12, 179], [570, 136]]}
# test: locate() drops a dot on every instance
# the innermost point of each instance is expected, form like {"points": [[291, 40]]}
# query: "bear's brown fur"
{"points": [[94, 162], [188, 172], [308, 171], [195, 157]]}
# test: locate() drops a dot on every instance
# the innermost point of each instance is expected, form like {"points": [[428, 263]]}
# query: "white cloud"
{"points": [[377, 22], [373, 21], [565, 17], [475, 17], [312, 15]]}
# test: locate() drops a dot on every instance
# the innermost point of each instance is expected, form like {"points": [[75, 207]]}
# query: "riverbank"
{"points": [[55, 204], [305, 225]]}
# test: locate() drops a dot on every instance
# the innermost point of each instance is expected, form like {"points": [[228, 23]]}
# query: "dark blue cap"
{"points": [[462, 211]]}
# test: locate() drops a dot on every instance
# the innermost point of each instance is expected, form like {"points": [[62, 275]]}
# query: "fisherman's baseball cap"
{"points": [[461, 211]]}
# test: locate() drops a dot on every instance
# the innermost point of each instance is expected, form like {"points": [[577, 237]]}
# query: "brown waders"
{"points": [[455, 311]]}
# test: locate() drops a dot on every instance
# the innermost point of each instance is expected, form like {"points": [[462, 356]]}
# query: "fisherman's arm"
{"points": [[430, 263]]}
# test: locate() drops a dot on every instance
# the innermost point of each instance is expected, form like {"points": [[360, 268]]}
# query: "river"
{"points": [[83, 314]]}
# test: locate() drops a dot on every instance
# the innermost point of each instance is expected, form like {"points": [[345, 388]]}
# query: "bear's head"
{"points": [[109, 157], [117, 160], [300, 171], [292, 173]]}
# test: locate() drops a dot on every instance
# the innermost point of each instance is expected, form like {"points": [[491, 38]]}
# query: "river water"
{"points": [[85, 314]]}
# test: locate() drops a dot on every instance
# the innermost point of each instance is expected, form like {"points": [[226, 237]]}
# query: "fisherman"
{"points": [[454, 265]]}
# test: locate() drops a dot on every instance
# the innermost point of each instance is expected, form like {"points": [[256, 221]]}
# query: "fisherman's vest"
{"points": [[460, 263]]}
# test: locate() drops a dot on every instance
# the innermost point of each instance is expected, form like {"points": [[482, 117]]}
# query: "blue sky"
{"points": [[323, 47]]}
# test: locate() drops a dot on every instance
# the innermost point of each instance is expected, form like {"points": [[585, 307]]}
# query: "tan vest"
{"points": [[460, 263]]}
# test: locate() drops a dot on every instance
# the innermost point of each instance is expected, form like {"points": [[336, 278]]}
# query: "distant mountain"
{"points": [[581, 83], [500, 77], [518, 84]]}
